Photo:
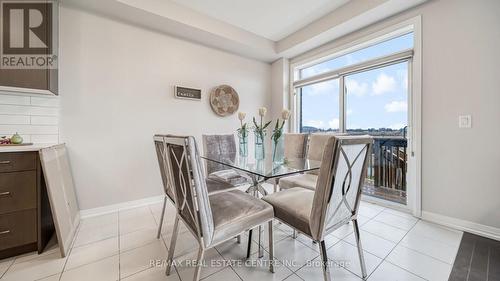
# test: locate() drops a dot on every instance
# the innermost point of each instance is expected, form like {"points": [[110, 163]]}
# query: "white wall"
{"points": [[116, 87], [35, 118], [461, 67]]}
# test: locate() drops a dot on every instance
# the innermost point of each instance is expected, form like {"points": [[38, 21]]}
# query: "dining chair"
{"points": [[314, 151], [335, 200], [212, 186], [295, 147], [212, 218], [225, 145]]}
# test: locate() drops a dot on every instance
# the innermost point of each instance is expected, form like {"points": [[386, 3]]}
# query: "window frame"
{"points": [[369, 36]]}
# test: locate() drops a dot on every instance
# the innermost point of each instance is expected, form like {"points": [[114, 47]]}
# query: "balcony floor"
{"points": [[390, 194]]}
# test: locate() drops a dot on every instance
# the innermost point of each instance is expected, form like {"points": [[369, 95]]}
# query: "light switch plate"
{"points": [[465, 121]]}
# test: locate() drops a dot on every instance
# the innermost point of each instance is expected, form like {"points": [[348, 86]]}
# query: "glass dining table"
{"points": [[263, 170]]}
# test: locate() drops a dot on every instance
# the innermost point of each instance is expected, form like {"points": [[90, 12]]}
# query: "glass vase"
{"points": [[260, 151], [278, 148], [243, 144]]}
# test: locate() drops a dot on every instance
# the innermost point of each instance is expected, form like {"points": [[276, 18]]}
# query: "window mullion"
{"points": [[342, 92]]}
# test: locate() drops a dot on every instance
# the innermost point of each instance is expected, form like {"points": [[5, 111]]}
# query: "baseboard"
{"points": [[88, 213], [463, 225]]}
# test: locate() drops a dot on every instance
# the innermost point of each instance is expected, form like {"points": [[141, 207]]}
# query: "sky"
{"points": [[375, 98]]}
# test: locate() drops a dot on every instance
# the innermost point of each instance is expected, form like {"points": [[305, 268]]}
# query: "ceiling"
{"points": [[265, 30], [271, 19]]}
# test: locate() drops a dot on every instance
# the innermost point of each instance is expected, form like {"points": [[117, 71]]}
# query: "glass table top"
{"points": [[265, 168]]}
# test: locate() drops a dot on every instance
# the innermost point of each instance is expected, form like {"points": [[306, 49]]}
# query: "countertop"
{"points": [[21, 148]]}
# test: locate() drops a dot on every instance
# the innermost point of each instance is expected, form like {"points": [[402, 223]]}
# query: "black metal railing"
{"points": [[388, 163]]}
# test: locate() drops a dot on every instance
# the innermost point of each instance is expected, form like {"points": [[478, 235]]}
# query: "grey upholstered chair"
{"points": [[295, 147], [212, 219], [215, 145], [212, 186], [335, 200], [315, 150]]}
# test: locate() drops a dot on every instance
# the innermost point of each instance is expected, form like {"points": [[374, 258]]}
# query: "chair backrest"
{"points": [[214, 145], [316, 146], [340, 182], [185, 173], [295, 145], [162, 162]]}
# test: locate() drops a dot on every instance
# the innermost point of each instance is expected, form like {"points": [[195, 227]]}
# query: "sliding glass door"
{"points": [[364, 92], [377, 104]]}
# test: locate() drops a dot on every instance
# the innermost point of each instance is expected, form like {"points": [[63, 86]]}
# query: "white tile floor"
{"points": [[121, 246]]}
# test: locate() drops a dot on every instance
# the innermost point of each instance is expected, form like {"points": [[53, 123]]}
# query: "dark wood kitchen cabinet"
{"points": [[26, 222]]}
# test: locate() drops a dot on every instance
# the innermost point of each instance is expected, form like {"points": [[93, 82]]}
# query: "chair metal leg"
{"points": [[249, 249], [261, 248], [238, 239], [295, 234], [161, 217], [324, 261], [271, 247], [275, 185], [199, 262], [171, 249], [360, 248]]}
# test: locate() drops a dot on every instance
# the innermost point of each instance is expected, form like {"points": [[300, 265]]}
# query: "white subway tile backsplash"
{"points": [[12, 99], [29, 129], [45, 101], [35, 118], [44, 120], [14, 119], [45, 138], [28, 110]]}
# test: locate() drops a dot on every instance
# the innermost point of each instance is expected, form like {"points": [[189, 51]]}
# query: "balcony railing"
{"points": [[388, 164]]}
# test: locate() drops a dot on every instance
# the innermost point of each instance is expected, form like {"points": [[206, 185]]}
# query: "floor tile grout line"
{"points": [[10, 265], [70, 251], [340, 239], [425, 254], [161, 236], [404, 269], [392, 250]]}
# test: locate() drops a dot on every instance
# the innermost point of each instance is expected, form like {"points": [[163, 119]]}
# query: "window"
{"points": [[400, 43], [377, 101], [364, 91], [374, 93], [315, 116]]}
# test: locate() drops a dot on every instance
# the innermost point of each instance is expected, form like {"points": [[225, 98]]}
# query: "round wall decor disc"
{"points": [[224, 100]]}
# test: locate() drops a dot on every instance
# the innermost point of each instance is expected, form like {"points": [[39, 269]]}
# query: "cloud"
{"points": [[334, 123], [355, 88], [397, 126], [396, 106], [383, 84], [315, 123], [323, 88]]}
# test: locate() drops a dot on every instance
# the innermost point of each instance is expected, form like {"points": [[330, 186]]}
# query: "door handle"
{"points": [[5, 162], [4, 232], [7, 193]]}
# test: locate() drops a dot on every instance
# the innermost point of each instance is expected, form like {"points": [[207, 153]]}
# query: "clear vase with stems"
{"points": [[243, 135], [278, 140], [260, 134]]}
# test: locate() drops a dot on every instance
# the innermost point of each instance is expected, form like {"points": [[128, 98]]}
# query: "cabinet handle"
{"points": [[5, 162], [5, 193], [4, 232]]}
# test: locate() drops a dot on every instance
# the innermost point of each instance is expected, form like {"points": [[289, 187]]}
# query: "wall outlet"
{"points": [[465, 121]]}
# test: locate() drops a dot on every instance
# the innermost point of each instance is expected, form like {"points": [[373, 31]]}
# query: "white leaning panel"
{"points": [[62, 197]]}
